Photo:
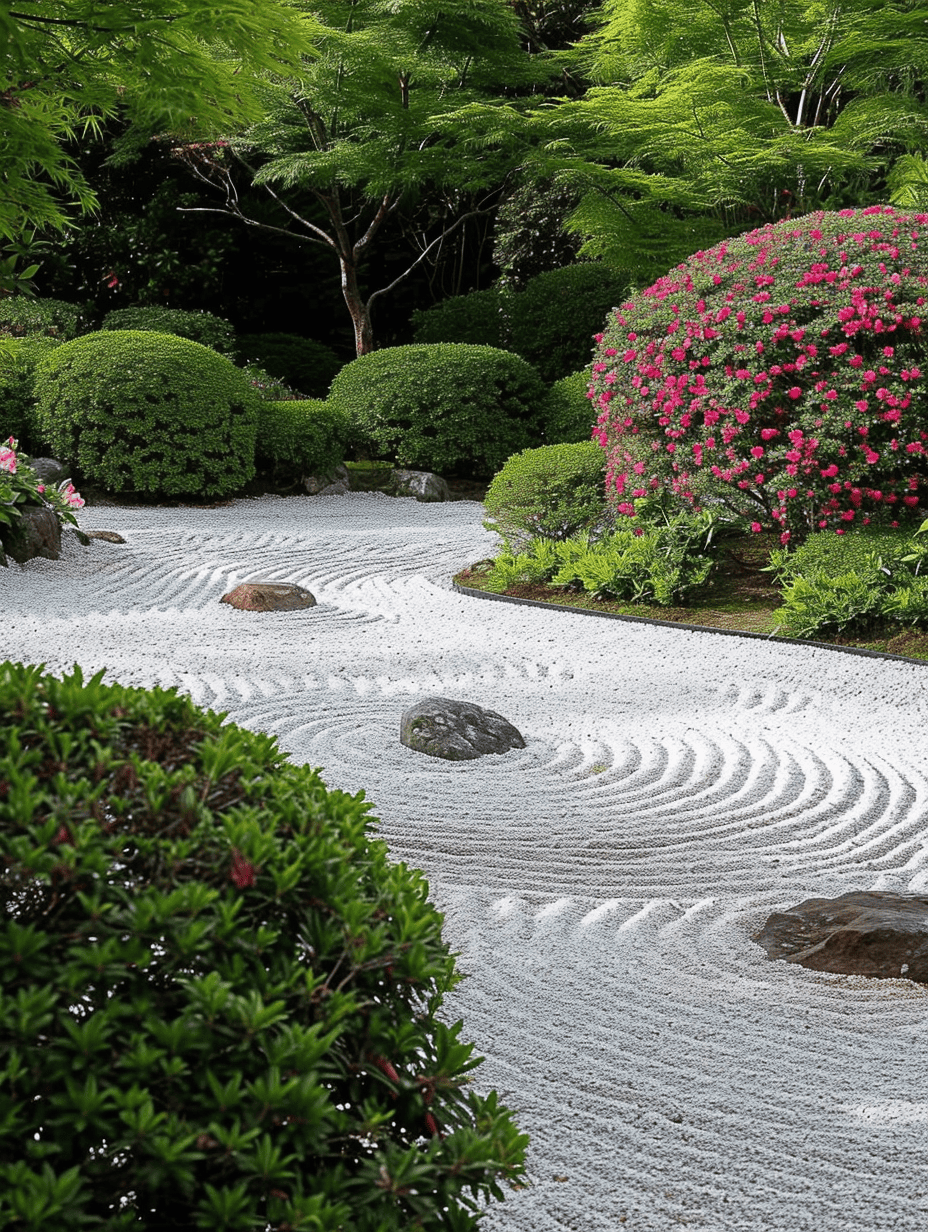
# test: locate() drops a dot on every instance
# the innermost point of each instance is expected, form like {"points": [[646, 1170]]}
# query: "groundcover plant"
{"points": [[780, 372]]}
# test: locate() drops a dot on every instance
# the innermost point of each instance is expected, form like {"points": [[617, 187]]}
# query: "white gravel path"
{"points": [[601, 885]]}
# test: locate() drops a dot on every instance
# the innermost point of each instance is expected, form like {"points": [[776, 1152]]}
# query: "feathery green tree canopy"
{"points": [[707, 117]]}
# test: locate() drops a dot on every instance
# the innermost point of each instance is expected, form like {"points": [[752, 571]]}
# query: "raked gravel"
{"points": [[601, 885]]}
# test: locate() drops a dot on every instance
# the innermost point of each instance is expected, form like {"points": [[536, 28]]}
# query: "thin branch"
{"points": [[425, 252]]}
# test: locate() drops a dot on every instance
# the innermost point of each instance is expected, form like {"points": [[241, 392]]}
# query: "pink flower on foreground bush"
{"points": [[22, 488], [798, 346]]}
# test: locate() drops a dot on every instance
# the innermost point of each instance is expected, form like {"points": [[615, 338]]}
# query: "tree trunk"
{"points": [[358, 307]]}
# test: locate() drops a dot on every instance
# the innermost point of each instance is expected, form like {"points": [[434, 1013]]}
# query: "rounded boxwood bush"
{"points": [[547, 493], [300, 438], [148, 413], [569, 414], [219, 998], [554, 321], [781, 372], [478, 319], [303, 364], [444, 407], [23, 317], [17, 390], [202, 327]]}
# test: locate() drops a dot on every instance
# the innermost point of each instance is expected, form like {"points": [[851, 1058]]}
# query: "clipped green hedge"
{"points": [[301, 363], [477, 319], [23, 317], [219, 998], [17, 390], [553, 322], [148, 413], [547, 493], [444, 407], [300, 438], [202, 327], [569, 413]]}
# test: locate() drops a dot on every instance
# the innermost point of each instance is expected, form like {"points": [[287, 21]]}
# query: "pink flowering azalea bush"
{"points": [[20, 487], [781, 373]]}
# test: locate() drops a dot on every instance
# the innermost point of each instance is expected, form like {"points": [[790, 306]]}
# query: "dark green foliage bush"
{"points": [[17, 390], [569, 415], [552, 323], [202, 327], [218, 996], [478, 319], [443, 407], [148, 413], [300, 438], [269, 388], [22, 317], [547, 493], [301, 363]]}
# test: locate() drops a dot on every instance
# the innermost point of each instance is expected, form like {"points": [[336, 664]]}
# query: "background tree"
{"points": [[707, 117], [405, 106]]}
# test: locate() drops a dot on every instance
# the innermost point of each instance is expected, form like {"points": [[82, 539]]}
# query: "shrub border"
{"points": [[675, 624]]}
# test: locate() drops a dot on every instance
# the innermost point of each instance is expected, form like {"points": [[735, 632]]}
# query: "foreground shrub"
{"points": [[443, 407], [17, 389], [21, 489], [299, 438], [23, 317], [477, 319], [300, 363], [569, 414], [202, 327], [547, 493], [219, 996], [553, 322], [148, 413], [780, 372]]}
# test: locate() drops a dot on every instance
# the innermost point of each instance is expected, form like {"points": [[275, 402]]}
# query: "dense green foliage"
{"points": [[300, 438], [477, 319], [200, 327], [148, 413], [17, 390], [301, 363], [22, 316], [547, 493], [554, 320], [219, 998], [780, 372], [569, 414], [442, 408]]}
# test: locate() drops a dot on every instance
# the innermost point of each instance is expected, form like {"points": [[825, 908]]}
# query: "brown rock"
{"points": [[37, 533], [866, 932], [268, 597], [109, 536]]}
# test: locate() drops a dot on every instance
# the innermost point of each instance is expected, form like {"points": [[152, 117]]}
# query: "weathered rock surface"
{"points": [[37, 533], [458, 731], [108, 536], [49, 470], [268, 597], [330, 483], [867, 932], [423, 485]]}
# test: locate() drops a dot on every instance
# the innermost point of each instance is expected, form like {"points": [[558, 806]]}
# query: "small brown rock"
{"points": [[109, 536], [268, 597], [866, 932]]}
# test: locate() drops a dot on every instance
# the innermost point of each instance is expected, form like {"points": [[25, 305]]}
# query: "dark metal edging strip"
{"points": [[674, 624]]}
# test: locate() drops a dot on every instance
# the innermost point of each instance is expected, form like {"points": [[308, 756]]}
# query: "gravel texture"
{"points": [[602, 884]]}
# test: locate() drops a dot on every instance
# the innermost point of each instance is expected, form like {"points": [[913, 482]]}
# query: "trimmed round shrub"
{"points": [[553, 322], [569, 414], [148, 413], [301, 363], [17, 390], [202, 327], [547, 493], [781, 372], [444, 407], [478, 319], [23, 317], [219, 998], [300, 438]]}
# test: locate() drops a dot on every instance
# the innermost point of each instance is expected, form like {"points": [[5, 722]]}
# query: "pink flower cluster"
{"points": [[8, 457], [780, 371]]}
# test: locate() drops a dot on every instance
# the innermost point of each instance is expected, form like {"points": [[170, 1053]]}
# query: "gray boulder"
{"points": [[867, 932], [329, 483], [49, 470], [37, 533], [457, 731], [423, 485]]}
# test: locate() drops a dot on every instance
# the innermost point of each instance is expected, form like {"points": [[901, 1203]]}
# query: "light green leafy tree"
{"points": [[707, 117], [67, 66], [407, 102]]}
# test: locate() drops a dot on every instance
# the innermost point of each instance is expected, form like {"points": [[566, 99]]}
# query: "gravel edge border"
{"points": [[471, 592]]}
